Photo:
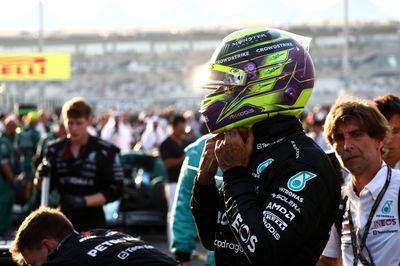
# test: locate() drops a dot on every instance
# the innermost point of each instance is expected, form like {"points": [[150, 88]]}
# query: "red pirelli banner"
{"points": [[46, 66]]}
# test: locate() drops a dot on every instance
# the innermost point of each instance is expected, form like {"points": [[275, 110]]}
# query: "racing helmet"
{"points": [[256, 74]]}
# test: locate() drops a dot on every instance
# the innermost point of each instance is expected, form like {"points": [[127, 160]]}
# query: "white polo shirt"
{"points": [[397, 165], [383, 239]]}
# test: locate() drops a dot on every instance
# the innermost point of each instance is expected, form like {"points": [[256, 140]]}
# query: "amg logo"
{"points": [[241, 114]]}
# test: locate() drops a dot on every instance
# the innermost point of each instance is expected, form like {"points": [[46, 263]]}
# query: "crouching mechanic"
{"points": [[280, 191], [47, 237]]}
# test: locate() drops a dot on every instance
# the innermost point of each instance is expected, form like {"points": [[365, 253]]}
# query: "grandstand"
{"points": [[156, 67]]}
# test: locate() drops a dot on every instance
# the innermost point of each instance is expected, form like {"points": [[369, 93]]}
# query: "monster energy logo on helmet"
{"points": [[248, 40]]}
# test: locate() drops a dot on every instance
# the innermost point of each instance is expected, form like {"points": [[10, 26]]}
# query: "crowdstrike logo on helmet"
{"points": [[273, 47], [233, 57]]}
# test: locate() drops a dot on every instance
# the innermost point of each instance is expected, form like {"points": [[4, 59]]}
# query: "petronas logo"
{"points": [[299, 180], [264, 165], [117, 159], [386, 207], [92, 156]]}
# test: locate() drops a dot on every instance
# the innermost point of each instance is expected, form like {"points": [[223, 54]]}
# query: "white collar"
{"points": [[397, 165], [374, 186]]}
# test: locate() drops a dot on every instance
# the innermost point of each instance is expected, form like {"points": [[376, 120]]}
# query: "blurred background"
{"points": [[128, 54]]}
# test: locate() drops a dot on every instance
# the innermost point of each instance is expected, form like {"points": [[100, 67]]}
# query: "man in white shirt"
{"points": [[153, 136], [369, 232], [389, 106], [317, 134], [118, 131], [43, 123]]}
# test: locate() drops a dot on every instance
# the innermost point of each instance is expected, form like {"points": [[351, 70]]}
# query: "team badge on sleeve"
{"points": [[264, 165], [299, 180]]}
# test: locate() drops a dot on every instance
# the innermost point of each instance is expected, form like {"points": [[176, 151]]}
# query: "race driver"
{"points": [[280, 191]]}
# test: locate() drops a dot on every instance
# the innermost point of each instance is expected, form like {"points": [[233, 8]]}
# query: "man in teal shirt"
{"points": [[183, 239], [33, 202], [6, 176], [27, 142]]}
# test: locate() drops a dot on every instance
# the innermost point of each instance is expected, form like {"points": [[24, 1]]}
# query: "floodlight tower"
{"points": [[40, 33], [40, 48], [345, 55]]}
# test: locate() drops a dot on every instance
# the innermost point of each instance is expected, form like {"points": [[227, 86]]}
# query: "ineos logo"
{"points": [[222, 218], [244, 233]]}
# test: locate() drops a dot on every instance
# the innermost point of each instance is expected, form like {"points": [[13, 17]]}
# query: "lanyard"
{"points": [[358, 247]]}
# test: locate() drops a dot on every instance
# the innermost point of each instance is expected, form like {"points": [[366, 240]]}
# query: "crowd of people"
{"points": [[25, 142], [257, 179]]}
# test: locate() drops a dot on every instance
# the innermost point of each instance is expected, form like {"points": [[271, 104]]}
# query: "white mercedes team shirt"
{"points": [[397, 165], [384, 234]]}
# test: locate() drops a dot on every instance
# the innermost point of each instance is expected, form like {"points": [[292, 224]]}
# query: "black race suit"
{"points": [[278, 210], [104, 247], [96, 169]]}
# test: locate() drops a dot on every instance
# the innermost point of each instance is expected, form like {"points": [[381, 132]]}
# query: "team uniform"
{"points": [[381, 246], [27, 142], [183, 227], [397, 165], [33, 202], [276, 211], [105, 247], [96, 169], [7, 193], [169, 149]]}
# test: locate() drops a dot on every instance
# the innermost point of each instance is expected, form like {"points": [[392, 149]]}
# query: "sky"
{"points": [[23, 15]]}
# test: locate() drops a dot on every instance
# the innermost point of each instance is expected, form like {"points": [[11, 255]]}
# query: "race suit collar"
{"points": [[59, 246], [271, 130]]}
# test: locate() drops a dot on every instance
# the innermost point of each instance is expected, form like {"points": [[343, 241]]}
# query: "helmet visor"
{"points": [[220, 75]]}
